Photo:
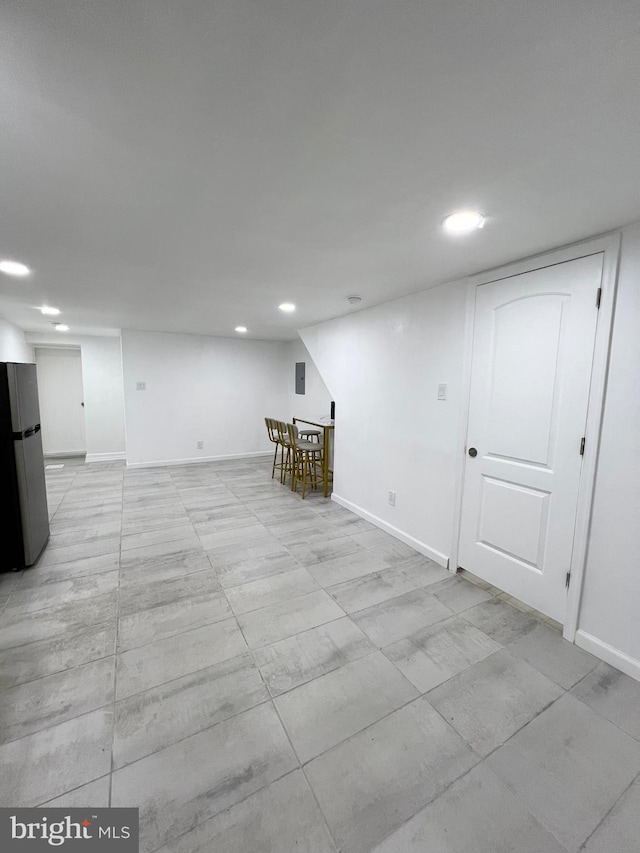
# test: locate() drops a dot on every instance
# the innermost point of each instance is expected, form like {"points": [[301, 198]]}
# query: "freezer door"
{"points": [[32, 493], [23, 396]]}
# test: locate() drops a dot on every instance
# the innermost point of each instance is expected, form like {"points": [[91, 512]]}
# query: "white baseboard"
{"points": [[198, 460], [105, 457], [437, 556], [609, 654]]}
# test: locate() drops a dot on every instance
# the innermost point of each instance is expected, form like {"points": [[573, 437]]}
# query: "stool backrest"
{"points": [[283, 435], [272, 429]]}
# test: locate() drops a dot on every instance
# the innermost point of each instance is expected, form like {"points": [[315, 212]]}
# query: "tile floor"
{"points": [[258, 673]]}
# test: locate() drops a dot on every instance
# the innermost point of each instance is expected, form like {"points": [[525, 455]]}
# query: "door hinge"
{"points": [[567, 580], [598, 297], [582, 440]]}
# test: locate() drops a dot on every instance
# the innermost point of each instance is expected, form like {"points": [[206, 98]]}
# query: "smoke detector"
{"points": [[354, 300]]}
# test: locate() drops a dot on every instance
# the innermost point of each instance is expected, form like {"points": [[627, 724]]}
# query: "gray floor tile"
{"points": [[305, 534], [39, 575], [371, 783], [44, 765], [236, 536], [559, 660], [351, 524], [459, 594], [217, 768], [20, 628], [329, 709], [318, 552], [435, 654], [229, 555], [161, 549], [256, 824], [62, 592], [306, 656], [45, 702], [161, 716], [395, 552], [10, 581], [373, 538], [166, 533], [392, 620], [271, 590], [235, 517], [365, 591], [248, 570], [620, 830], [613, 695], [66, 553], [151, 569], [169, 619], [491, 700], [345, 568], [154, 523], [92, 795], [477, 813], [147, 666], [156, 593], [498, 620], [569, 766], [60, 537], [286, 618]]}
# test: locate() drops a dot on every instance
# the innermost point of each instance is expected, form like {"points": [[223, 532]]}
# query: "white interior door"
{"points": [[533, 346], [61, 394]]}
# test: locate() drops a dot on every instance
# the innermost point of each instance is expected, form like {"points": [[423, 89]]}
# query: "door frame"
{"points": [[609, 246]]}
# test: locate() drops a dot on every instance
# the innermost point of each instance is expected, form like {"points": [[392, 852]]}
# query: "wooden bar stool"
{"points": [[307, 458]]}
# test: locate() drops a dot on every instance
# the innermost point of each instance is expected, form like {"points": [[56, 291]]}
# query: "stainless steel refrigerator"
{"points": [[24, 524]]}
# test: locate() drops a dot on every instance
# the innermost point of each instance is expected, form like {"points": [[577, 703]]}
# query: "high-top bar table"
{"points": [[327, 430]]}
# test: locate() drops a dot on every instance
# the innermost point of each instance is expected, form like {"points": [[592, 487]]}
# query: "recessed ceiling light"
{"points": [[14, 268], [354, 300], [287, 307], [61, 327], [48, 309], [241, 328], [463, 221]]}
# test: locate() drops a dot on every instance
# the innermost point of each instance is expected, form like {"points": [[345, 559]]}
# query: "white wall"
{"points": [[610, 610], [316, 401], [13, 346], [103, 391], [383, 366], [217, 390]]}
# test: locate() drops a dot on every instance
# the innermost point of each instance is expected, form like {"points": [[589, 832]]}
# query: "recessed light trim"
{"points": [[287, 307], [15, 268], [241, 329], [49, 310], [61, 327], [463, 221]]}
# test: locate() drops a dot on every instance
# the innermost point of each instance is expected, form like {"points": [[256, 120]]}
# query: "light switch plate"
{"points": [[442, 391]]}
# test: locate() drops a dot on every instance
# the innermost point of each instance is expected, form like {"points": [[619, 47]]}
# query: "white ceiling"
{"points": [[186, 165]]}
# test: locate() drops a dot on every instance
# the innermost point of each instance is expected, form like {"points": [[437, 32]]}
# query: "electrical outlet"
{"points": [[392, 498], [200, 445], [442, 391], [141, 386]]}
